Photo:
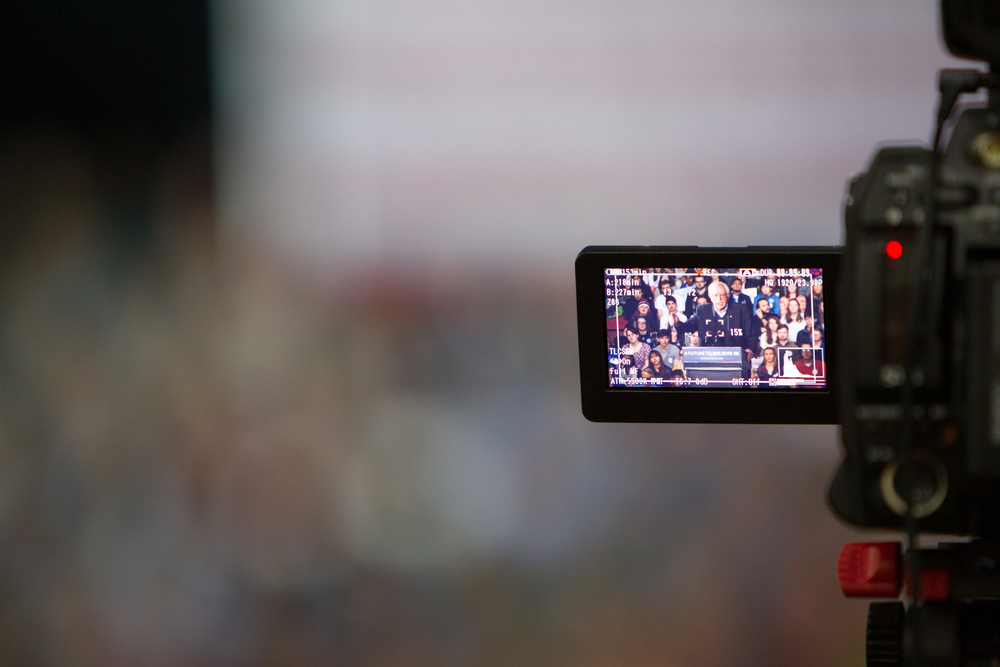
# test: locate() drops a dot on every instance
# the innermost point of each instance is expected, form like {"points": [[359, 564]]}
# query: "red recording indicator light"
{"points": [[894, 249]]}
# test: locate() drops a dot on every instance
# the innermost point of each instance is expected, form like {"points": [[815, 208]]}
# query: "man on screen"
{"points": [[700, 290], [737, 296], [808, 364], [761, 312], [767, 291], [805, 336], [723, 323], [669, 315], [669, 352]]}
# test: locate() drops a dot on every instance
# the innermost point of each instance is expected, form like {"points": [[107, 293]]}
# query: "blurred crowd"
{"points": [[208, 459]]}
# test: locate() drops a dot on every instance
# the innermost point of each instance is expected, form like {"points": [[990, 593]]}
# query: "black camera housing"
{"points": [[971, 29], [602, 403], [954, 400]]}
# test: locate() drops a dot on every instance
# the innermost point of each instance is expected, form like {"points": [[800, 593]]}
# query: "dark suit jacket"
{"points": [[692, 300], [734, 329]]}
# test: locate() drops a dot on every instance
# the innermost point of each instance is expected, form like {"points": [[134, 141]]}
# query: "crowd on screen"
{"points": [[648, 322]]}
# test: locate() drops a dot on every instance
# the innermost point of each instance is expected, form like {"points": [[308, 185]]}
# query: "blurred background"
{"points": [[288, 362]]}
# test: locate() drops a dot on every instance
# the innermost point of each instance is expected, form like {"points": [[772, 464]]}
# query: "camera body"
{"points": [[971, 29], [954, 404]]}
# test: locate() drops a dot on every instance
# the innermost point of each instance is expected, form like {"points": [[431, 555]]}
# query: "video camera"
{"points": [[895, 336]]}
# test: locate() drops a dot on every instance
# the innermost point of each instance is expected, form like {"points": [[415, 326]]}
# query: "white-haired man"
{"points": [[723, 323]]}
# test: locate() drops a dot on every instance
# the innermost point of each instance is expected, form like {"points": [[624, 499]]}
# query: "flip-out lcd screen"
{"points": [[739, 335], [750, 328]]}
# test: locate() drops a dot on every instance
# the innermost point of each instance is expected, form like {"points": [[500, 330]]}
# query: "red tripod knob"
{"points": [[869, 569]]}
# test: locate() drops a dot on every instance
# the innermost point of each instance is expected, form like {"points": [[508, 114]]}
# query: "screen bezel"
{"points": [[770, 405]]}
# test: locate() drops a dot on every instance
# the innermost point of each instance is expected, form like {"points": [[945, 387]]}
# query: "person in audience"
{"points": [[805, 335], [783, 340], [818, 341], [794, 319], [668, 313], [772, 298], [657, 367], [642, 328], [668, 351], [637, 349], [803, 303], [685, 288], [762, 308], [641, 310], [784, 343], [737, 296], [769, 367], [770, 336], [700, 291], [808, 364], [664, 288]]}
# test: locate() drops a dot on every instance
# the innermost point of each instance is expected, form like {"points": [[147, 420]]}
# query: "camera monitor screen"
{"points": [[748, 327], [682, 334]]}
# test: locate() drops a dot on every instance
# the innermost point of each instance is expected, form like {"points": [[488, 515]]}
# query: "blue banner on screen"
{"points": [[721, 328]]}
